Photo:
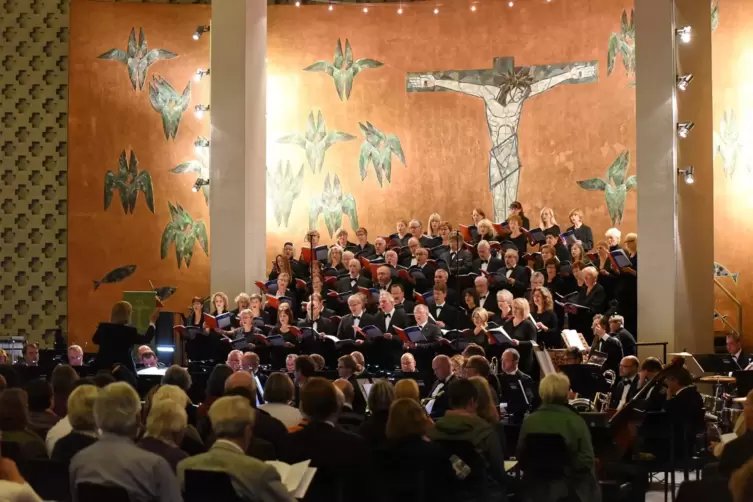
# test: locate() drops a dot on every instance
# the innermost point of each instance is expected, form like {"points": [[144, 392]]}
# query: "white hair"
{"points": [[554, 388], [81, 407], [505, 295], [117, 408], [230, 415], [76, 348], [422, 307], [615, 233], [166, 418], [483, 244], [171, 393], [387, 296]]}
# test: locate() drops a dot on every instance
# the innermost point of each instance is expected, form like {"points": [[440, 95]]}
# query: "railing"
{"points": [[739, 308]]}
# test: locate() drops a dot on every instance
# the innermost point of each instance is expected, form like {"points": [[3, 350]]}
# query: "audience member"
{"points": [[3, 383], [486, 407], [62, 380], [457, 362], [13, 487], [64, 427], [319, 362], [342, 459], [165, 427], [215, 388], [83, 429], [347, 369], [290, 362], [360, 361], [741, 484], [347, 418], [115, 459], [41, 416], [740, 450], [278, 394], [233, 423], [479, 366], [234, 360], [14, 424], [176, 375], [437, 406], [407, 388], [473, 349], [554, 416], [10, 374], [381, 396]]}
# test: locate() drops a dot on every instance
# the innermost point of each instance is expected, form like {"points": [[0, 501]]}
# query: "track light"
{"points": [[331, 7], [688, 174], [200, 182], [298, 4], [201, 74], [684, 80], [199, 110], [365, 10], [685, 34], [684, 128], [399, 10], [200, 30], [510, 3], [201, 142]]}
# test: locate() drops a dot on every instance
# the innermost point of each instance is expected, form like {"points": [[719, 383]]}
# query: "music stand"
{"points": [[744, 380], [585, 379], [513, 392], [717, 363]]}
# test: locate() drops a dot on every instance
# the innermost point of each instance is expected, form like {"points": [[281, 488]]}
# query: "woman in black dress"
{"points": [[593, 298], [582, 232], [517, 236], [548, 223], [547, 323], [471, 300], [117, 338], [199, 348], [627, 296], [522, 330]]}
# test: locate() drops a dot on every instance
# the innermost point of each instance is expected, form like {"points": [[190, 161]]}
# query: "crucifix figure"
{"points": [[504, 89]]}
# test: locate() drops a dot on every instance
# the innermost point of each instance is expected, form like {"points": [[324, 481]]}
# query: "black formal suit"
{"points": [[494, 265], [116, 342], [441, 403], [736, 453], [459, 262], [685, 411], [345, 329], [398, 318], [359, 400], [528, 386], [655, 399], [627, 340], [448, 314], [612, 347], [323, 325], [425, 284], [743, 360], [351, 284], [406, 260], [562, 253], [432, 333], [489, 303], [522, 281], [367, 250], [520, 242], [619, 389], [406, 305], [596, 300], [342, 459]]}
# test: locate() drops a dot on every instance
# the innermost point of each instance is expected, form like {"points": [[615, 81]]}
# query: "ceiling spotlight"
{"points": [[199, 110], [684, 80], [298, 4], [200, 30], [200, 182], [436, 11], [201, 142], [684, 128], [200, 74], [473, 8], [400, 10], [365, 10], [688, 174], [331, 7], [684, 34], [510, 3]]}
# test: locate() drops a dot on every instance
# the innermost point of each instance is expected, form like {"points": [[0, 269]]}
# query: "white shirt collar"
{"points": [[736, 355], [391, 313], [233, 445]]}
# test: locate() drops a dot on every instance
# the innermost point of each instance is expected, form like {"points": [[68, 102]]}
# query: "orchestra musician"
{"points": [[684, 407], [75, 356], [516, 209], [516, 276], [582, 232], [445, 315], [442, 368], [606, 344], [617, 328], [407, 363], [117, 338], [629, 383], [654, 400], [364, 248], [460, 261], [735, 349], [509, 364]]}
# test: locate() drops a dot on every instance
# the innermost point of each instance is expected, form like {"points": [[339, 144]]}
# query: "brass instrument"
{"points": [[581, 404], [602, 401], [494, 365], [610, 376]]}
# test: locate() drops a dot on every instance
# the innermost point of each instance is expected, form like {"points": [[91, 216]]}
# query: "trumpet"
{"points": [[602, 401], [610, 376], [494, 365]]}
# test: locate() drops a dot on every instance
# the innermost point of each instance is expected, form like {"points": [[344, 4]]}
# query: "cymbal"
{"points": [[739, 400], [718, 379]]}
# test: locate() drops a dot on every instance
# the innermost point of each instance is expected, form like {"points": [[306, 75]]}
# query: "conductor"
{"points": [[117, 337]]}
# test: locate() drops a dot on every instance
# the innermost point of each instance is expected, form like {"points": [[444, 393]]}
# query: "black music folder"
{"points": [[717, 363]]}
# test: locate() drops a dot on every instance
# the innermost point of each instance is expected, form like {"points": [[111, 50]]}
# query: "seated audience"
{"points": [[462, 423], [215, 388], [115, 459], [487, 407], [381, 396], [234, 360], [319, 362], [81, 417], [479, 366], [554, 416], [347, 369], [165, 426], [14, 424], [343, 459], [278, 394], [233, 423], [176, 375], [13, 486], [407, 389], [41, 416], [347, 418], [740, 450], [741, 484], [62, 380], [191, 442]]}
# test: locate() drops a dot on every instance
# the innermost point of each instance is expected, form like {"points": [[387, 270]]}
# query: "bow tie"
{"points": [[356, 317], [439, 307], [352, 280], [627, 381], [484, 261], [387, 316]]}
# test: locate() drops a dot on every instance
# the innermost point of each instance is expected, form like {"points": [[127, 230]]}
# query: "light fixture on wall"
{"points": [[331, 7], [684, 80], [201, 142], [688, 174], [684, 128], [199, 110], [510, 3], [365, 10], [473, 8], [200, 182], [436, 11], [685, 34], [399, 10], [200, 30], [201, 74], [298, 4]]}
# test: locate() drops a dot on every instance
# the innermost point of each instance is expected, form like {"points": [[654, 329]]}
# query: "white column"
{"points": [[675, 287], [238, 144]]}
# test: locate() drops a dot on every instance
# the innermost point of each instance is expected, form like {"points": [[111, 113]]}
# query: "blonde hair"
{"points": [[521, 303], [166, 417], [335, 249], [121, 313], [117, 408], [553, 220], [171, 393], [554, 388], [576, 212], [230, 415], [488, 225], [407, 388], [340, 232], [224, 298], [81, 407], [632, 238], [433, 217], [243, 296], [481, 313]]}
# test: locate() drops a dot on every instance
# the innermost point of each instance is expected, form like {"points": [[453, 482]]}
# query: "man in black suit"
{"points": [[509, 363], [409, 258], [441, 276], [401, 302], [486, 298], [443, 371], [315, 317], [347, 369], [617, 328], [627, 387], [299, 268], [353, 280], [380, 249], [684, 407], [458, 260], [386, 350], [416, 230], [250, 363], [348, 419], [740, 450], [429, 330], [735, 348], [657, 395], [357, 318], [516, 278], [363, 247], [333, 451], [427, 270], [115, 339], [445, 315], [609, 345], [485, 261]]}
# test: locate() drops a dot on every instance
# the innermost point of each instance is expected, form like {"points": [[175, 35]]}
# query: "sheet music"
{"points": [[572, 339]]}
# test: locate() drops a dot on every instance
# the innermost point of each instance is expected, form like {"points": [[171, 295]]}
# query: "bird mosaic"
{"points": [[167, 102], [199, 167], [128, 181], [184, 232], [377, 150], [283, 187], [316, 140], [137, 58], [333, 204], [615, 186], [343, 69], [623, 43]]}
